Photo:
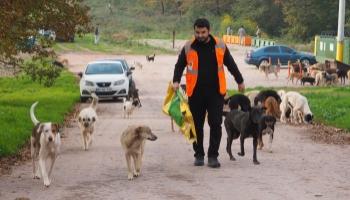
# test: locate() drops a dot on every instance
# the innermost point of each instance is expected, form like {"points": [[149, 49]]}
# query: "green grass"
{"points": [[330, 105], [107, 45], [18, 94]]}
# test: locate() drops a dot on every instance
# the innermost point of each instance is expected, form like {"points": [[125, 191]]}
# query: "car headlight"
{"points": [[89, 83], [120, 82]]}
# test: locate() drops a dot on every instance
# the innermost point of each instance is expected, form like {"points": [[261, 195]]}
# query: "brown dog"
{"points": [[272, 107], [133, 141]]}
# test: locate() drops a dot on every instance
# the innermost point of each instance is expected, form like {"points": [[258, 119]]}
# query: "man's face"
{"points": [[201, 34]]}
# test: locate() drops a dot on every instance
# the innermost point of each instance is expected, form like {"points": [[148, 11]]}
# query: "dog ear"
{"points": [[55, 126], [40, 129], [139, 130], [79, 119]]}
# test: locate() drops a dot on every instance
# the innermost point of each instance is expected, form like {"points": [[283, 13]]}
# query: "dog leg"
{"points": [[52, 162], [128, 162], [260, 142], [270, 142], [34, 153], [255, 144], [43, 171], [137, 163], [242, 146], [228, 147]]}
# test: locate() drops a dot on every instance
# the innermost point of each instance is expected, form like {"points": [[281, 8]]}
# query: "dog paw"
{"points": [[256, 162], [232, 158], [240, 154], [36, 177], [136, 174], [46, 183], [130, 177]]}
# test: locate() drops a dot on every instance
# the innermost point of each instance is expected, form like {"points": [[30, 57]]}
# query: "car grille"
{"points": [[103, 84], [105, 93]]}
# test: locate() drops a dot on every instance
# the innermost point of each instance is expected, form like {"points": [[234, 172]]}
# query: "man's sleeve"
{"points": [[232, 67], [180, 66]]}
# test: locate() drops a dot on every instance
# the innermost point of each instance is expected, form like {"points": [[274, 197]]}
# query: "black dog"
{"points": [[150, 58], [243, 124], [134, 93], [342, 70], [310, 80], [266, 126], [238, 100], [262, 96]]}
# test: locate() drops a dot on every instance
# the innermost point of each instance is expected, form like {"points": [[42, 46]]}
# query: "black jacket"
{"points": [[208, 67]]}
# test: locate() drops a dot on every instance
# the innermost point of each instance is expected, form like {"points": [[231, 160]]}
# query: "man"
{"points": [[258, 32], [97, 33], [204, 58], [241, 33]]}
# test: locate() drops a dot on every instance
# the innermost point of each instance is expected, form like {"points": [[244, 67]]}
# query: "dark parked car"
{"points": [[262, 55]]}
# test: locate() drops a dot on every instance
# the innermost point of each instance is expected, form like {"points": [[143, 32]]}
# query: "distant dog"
{"points": [[272, 107], [331, 78], [243, 124], [320, 78], [133, 142], [134, 93], [300, 108], [45, 143], [262, 96], [150, 58], [87, 119], [129, 106], [270, 69], [266, 127], [309, 80], [138, 64]]}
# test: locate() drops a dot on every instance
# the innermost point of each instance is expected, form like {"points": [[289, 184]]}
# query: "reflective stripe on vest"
{"points": [[192, 66]]}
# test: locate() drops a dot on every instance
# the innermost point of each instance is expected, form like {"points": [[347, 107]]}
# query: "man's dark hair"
{"points": [[201, 23]]}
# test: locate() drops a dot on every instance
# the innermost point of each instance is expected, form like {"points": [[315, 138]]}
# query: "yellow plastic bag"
{"points": [[177, 108]]}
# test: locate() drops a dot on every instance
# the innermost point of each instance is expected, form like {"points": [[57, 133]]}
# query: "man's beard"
{"points": [[202, 39]]}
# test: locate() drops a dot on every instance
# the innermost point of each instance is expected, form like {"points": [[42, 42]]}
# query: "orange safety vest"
{"points": [[192, 66]]}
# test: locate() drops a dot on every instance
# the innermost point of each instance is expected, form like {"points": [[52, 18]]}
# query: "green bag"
{"points": [[175, 109]]}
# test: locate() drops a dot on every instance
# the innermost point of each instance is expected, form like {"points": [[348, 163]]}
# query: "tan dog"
{"points": [[133, 142], [272, 107], [45, 143], [87, 120]]}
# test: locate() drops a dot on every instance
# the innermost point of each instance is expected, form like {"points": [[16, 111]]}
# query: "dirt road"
{"points": [[297, 169]]}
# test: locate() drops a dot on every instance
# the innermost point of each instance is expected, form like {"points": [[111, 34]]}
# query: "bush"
{"points": [[43, 71]]}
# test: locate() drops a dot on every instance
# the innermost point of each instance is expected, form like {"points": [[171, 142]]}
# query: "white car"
{"points": [[107, 78]]}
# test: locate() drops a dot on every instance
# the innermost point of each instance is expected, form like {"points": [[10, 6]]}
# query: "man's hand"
{"points": [[175, 86], [241, 87]]}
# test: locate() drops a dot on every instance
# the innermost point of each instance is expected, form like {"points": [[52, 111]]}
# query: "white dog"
{"points": [[129, 106], [299, 106], [87, 120], [45, 143]]}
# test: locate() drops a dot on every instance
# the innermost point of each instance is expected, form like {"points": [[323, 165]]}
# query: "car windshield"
{"points": [[104, 68]]}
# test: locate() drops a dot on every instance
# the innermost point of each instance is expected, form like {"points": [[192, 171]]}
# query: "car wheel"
{"points": [[305, 62], [83, 99]]}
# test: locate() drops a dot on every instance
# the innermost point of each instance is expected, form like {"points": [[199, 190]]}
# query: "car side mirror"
{"points": [[80, 74], [132, 68], [128, 73]]}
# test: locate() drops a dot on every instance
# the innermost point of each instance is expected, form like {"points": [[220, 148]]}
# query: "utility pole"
{"points": [[341, 23]]}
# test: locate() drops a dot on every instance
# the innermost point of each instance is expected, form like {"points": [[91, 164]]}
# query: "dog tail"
{"points": [[32, 115], [94, 100]]}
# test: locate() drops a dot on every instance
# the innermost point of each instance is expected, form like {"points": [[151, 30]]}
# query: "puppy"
{"points": [[133, 142], [150, 58], [129, 107], [309, 79], [243, 124], [266, 127], [87, 119], [272, 107], [300, 108], [45, 142], [262, 96]]}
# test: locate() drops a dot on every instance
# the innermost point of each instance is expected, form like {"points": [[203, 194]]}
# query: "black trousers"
{"points": [[209, 100]]}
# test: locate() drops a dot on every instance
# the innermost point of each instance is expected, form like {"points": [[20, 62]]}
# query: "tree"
{"points": [[21, 20]]}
